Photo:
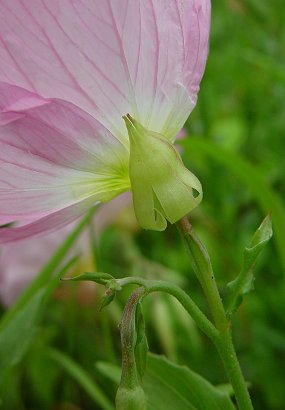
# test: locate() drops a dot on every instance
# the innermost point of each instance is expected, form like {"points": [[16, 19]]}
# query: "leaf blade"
{"points": [[244, 282], [83, 378], [180, 388]]}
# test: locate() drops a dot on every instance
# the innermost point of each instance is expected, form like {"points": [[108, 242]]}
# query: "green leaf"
{"points": [[109, 370], [17, 335], [169, 386], [53, 282], [18, 326], [227, 388], [99, 277], [261, 236], [244, 282], [81, 377]]}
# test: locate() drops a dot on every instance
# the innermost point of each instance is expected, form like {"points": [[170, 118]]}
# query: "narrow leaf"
{"points": [[17, 335], [99, 277], [18, 327], [109, 370], [244, 282], [81, 377]]}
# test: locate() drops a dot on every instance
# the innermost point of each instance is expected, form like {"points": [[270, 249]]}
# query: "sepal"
{"points": [[163, 189]]}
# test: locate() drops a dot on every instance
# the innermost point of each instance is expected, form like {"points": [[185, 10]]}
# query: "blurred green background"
{"points": [[236, 146]]}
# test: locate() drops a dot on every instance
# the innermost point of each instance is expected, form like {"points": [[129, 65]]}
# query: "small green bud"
{"points": [[107, 298], [131, 399], [130, 395]]}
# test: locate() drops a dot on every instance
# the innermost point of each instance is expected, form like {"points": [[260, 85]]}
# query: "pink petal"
{"points": [[47, 224], [51, 156], [7, 117], [109, 57]]}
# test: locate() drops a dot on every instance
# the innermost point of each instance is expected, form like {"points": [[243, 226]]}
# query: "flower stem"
{"points": [[224, 344], [228, 355], [189, 305], [204, 272]]}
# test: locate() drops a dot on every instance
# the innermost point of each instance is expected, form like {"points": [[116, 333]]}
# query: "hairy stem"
{"points": [[224, 344], [204, 272]]}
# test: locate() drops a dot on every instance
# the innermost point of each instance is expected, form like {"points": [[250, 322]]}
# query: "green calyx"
{"points": [[163, 189]]}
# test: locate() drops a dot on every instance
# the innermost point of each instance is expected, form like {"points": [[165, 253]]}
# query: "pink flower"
{"points": [[69, 71]]}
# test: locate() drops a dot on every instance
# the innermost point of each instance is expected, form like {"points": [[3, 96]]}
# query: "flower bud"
{"points": [[131, 399]]}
